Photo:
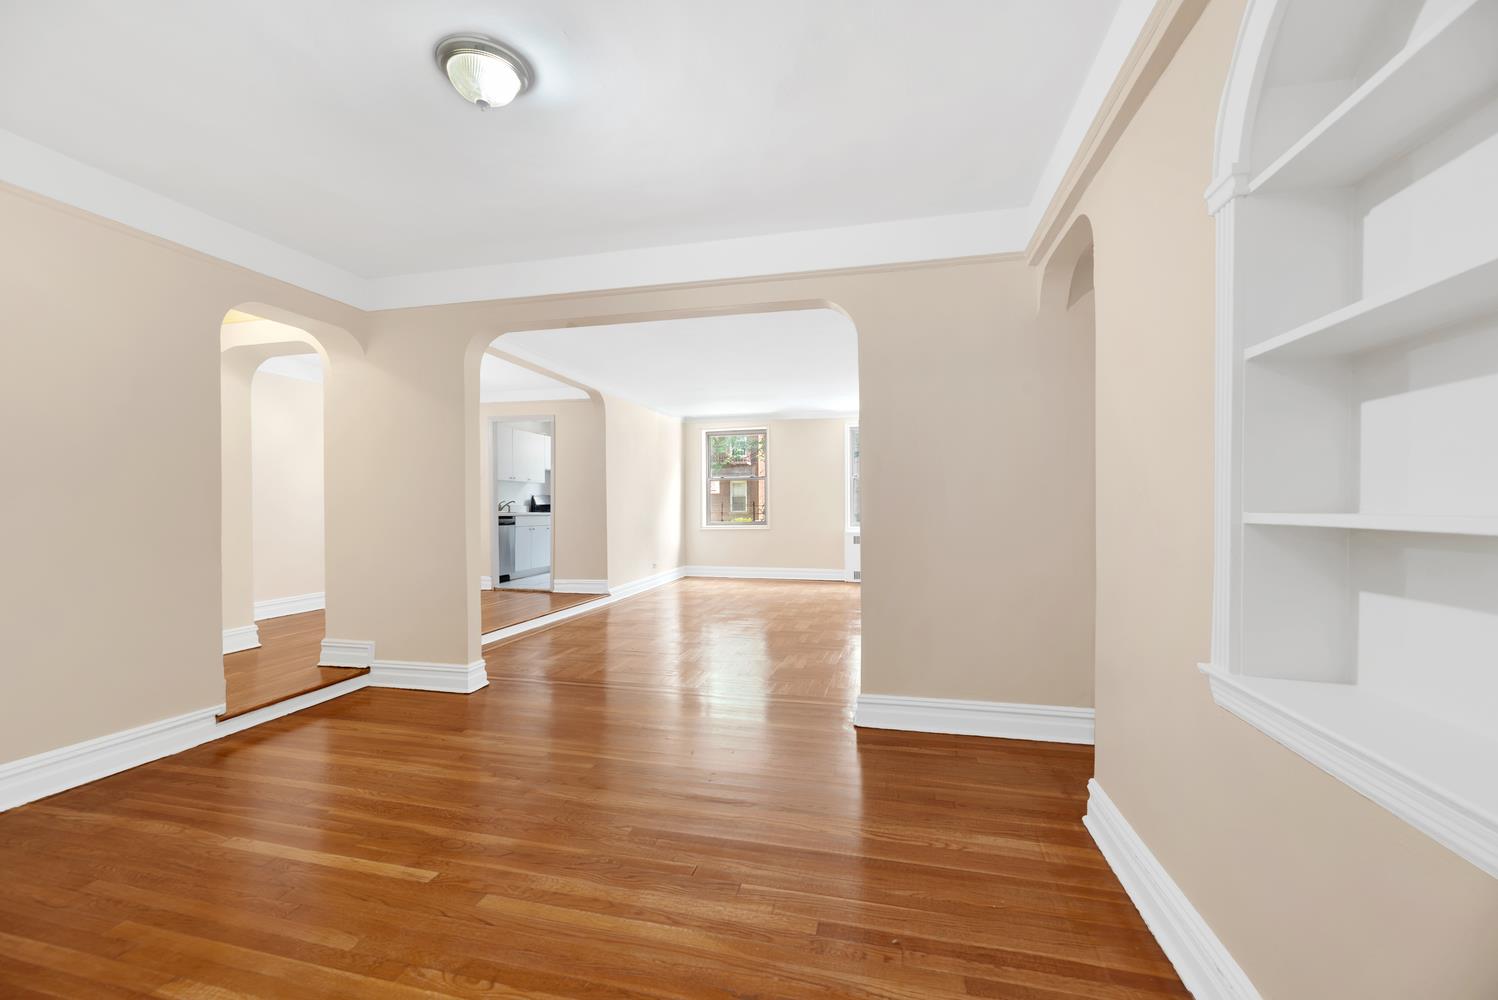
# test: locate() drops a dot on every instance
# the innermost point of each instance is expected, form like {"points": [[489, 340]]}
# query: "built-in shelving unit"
{"points": [[1356, 613], [1437, 524], [1441, 72], [1407, 313]]}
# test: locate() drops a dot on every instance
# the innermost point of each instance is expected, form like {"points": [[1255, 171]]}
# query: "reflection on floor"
{"points": [[664, 799], [283, 667], [503, 608], [541, 581], [782, 639]]}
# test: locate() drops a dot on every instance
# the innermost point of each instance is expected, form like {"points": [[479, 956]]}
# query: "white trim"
{"points": [[579, 586], [1447, 819], [613, 596], [229, 727], [1004, 720], [1200, 958], [486, 582], [279, 607], [721, 429], [346, 653], [453, 678], [641, 585], [763, 573], [53, 771], [244, 637], [32, 166], [36, 168]]}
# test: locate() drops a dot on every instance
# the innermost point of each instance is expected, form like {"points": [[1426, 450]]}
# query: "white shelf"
{"points": [[1436, 776], [1434, 524], [1400, 315], [1435, 76]]}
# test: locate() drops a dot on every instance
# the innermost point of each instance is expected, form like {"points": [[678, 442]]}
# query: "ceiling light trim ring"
{"points": [[454, 45]]}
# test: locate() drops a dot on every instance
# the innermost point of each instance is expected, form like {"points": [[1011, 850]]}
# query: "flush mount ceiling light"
{"points": [[483, 71]]}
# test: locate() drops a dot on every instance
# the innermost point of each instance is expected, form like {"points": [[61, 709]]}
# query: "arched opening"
{"points": [[273, 509], [725, 446]]}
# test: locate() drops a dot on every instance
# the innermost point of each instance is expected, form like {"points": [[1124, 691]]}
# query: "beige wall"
{"points": [[237, 498], [1317, 892], [286, 435], [805, 498], [644, 491], [578, 526]]}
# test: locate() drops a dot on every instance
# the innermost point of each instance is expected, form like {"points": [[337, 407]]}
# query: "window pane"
{"points": [[855, 499], [735, 501], [736, 456]]}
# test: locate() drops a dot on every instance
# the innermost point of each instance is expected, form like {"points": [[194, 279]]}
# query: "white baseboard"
{"points": [[645, 583], [486, 583], [278, 607], [454, 678], [236, 640], [1005, 720], [250, 719], [346, 653], [764, 573], [53, 771], [1201, 960], [609, 596], [580, 586]]}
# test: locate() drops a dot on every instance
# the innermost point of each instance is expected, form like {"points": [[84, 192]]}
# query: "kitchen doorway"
{"points": [[522, 487]]}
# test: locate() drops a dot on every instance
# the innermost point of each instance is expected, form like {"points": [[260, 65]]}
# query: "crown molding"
{"points": [[35, 168], [971, 236]]}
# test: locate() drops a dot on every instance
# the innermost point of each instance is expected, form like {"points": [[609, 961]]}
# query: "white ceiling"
{"points": [[795, 364], [502, 381], [326, 134]]}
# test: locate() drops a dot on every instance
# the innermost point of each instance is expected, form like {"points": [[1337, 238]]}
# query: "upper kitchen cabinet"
{"points": [[521, 456]]}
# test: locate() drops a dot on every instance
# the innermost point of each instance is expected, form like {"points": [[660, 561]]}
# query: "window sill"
{"points": [[1435, 776], [735, 527]]}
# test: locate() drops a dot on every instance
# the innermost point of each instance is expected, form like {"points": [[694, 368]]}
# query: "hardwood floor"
{"points": [[664, 799], [503, 608], [283, 667]]}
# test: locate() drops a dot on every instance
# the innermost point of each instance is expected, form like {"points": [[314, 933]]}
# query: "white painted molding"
{"points": [[764, 573], [614, 596], [1448, 820], [239, 639], [248, 720], [486, 582], [278, 607], [646, 583], [1004, 720], [35, 167], [53, 771], [453, 678], [1204, 964], [346, 653], [580, 586]]}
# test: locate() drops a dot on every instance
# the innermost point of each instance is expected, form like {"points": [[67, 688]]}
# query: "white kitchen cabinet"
{"points": [[521, 456], [532, 548]]}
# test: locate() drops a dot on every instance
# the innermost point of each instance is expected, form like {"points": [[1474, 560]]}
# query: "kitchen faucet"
{"points": [[506, 505]]}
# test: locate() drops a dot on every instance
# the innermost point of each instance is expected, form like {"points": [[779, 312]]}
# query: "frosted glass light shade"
{"points": [[482, 71]]}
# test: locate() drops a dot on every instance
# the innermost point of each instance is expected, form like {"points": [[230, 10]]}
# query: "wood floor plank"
{"points": [[663, 798]]}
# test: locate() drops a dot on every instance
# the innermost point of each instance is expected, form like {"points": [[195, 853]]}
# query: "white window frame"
{"points": [[848, 523], [706, 478]]}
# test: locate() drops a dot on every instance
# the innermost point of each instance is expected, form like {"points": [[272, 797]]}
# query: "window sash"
{"points": [[738, 457]]}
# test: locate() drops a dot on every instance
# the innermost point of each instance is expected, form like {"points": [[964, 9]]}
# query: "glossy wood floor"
{"points": [[665, 799], [283, 667], [503, 608]]}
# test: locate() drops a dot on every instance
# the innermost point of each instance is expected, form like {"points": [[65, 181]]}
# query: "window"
{"points": [[855, 498], [734, 464]]}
